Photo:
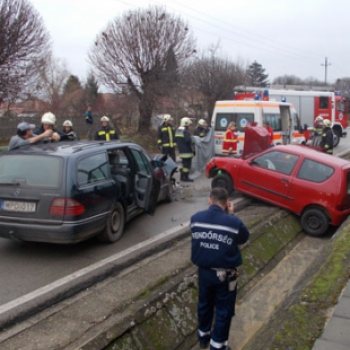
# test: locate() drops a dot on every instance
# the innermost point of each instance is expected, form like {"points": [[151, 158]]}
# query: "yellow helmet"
{"points": [[186, 121]]}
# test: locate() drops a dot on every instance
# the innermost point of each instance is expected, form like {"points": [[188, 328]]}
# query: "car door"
{"points": [[96, 189], [268, 176], [146, 187]]}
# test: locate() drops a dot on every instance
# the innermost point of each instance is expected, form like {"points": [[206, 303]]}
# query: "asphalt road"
{"points": [[27, 267]]}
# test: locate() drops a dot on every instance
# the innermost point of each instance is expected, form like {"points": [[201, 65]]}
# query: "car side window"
{"points": [[142, 162], [92, 169], [311, 170], [281, 162]]}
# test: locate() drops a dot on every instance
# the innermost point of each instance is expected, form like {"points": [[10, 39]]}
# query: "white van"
{"points": [[281, 116]]}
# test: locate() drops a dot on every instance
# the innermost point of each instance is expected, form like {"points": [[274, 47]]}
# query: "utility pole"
{"points": [[325, 64]]}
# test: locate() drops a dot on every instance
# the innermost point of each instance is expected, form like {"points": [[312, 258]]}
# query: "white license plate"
{"points": [[23, 207]]}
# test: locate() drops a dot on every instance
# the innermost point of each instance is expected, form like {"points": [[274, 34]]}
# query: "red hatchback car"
{"points": [[312, 184]]}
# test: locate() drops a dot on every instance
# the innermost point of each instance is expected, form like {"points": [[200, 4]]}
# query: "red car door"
{"points": [[268, 176]]}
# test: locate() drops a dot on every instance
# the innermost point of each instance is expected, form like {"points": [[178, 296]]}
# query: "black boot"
{"points": [[186, 178]]}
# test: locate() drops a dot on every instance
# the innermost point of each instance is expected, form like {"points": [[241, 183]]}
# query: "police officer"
{"points": [[216, 233], [166, 137], [106, 132], [202, 128], [183, 140], [327, 137]]}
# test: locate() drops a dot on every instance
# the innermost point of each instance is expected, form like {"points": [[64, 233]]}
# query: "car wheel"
{"points": [[169, 197], [115, 225], [222, 180], [314, 222], [336, 139]]}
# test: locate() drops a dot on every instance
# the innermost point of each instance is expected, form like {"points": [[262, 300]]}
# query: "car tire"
{"points": [[169, 197], [314, 222], [115, 225], [336, 139], [223, 180]]}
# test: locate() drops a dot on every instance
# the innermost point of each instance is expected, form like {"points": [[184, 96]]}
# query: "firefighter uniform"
{"points": [[106, 134], [327, 140], [201, 131], [215, 236], [183, 140], [166, 139], [229, 145]]}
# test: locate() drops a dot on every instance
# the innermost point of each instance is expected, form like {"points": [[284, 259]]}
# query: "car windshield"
{"points": [[31, 170]]}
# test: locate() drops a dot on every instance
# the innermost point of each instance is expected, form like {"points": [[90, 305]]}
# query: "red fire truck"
{"points": [[309, 104]]}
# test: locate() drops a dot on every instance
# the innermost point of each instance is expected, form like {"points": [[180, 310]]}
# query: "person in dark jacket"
{"points": [[216, 234], [327, 137], [106, 132], [166, 137], [48, 121], [316, 133], [183, 140], [68, 134], [202, 128], [89, 120]]}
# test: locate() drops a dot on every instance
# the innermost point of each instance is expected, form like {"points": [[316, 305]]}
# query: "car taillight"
{"points": [[159, 174], [66, 206]]}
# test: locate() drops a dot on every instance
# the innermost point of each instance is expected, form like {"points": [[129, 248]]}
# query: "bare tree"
{"points": [[137, 52], [24, 44], [212, 77], [53, 77]]}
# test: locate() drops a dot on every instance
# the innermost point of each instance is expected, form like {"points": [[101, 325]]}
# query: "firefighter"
{"points": [[216, 234], [327, 137], [166, 137], [229, 145], [202, 128], [68, 134], [48, 121], [106, 132], [183, 140]]}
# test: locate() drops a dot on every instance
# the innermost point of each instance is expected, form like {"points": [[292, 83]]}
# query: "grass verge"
{"points": [[306, 318]]}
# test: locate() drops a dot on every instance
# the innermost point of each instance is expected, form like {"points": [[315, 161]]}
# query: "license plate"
{"points": [[22, 207]]}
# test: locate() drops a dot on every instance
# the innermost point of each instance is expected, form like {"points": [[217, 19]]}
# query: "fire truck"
{"points": [[309, 105]]}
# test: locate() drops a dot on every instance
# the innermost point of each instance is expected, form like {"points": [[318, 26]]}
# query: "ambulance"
{"points": [[281, 116]]}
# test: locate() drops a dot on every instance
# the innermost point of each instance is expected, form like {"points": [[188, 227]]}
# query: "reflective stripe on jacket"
{"points": [[166, 135], [106, 134], [183, 140]]}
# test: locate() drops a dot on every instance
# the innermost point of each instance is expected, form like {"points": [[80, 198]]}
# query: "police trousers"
{"points": [[214, 295]]}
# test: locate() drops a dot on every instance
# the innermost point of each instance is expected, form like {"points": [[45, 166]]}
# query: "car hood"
{"points": [[256, 140]]}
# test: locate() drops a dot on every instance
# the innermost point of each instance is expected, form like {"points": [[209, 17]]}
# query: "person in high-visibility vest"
{"points": [[229, 145], [327, 137], [166, 137], [106, 132]]}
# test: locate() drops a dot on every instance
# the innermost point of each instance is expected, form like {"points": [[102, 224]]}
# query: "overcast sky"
{"points": [[284, 36]]}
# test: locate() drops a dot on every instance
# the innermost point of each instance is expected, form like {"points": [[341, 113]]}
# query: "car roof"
{"points": [[67, 148], [312, 154]]}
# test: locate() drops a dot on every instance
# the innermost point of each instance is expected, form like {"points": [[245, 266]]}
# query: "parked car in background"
{"points": [[314, 185], [69, 192]]}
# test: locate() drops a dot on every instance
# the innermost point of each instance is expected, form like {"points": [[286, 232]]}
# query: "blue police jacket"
{"points": [[215, 238]]}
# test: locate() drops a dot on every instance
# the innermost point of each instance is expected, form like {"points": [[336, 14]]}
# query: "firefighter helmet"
{"points": [[48, 118], [327, 122], [202, 122], [319, 119], [67, 123], [186, 121], [167, 117], [104, 119]]}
